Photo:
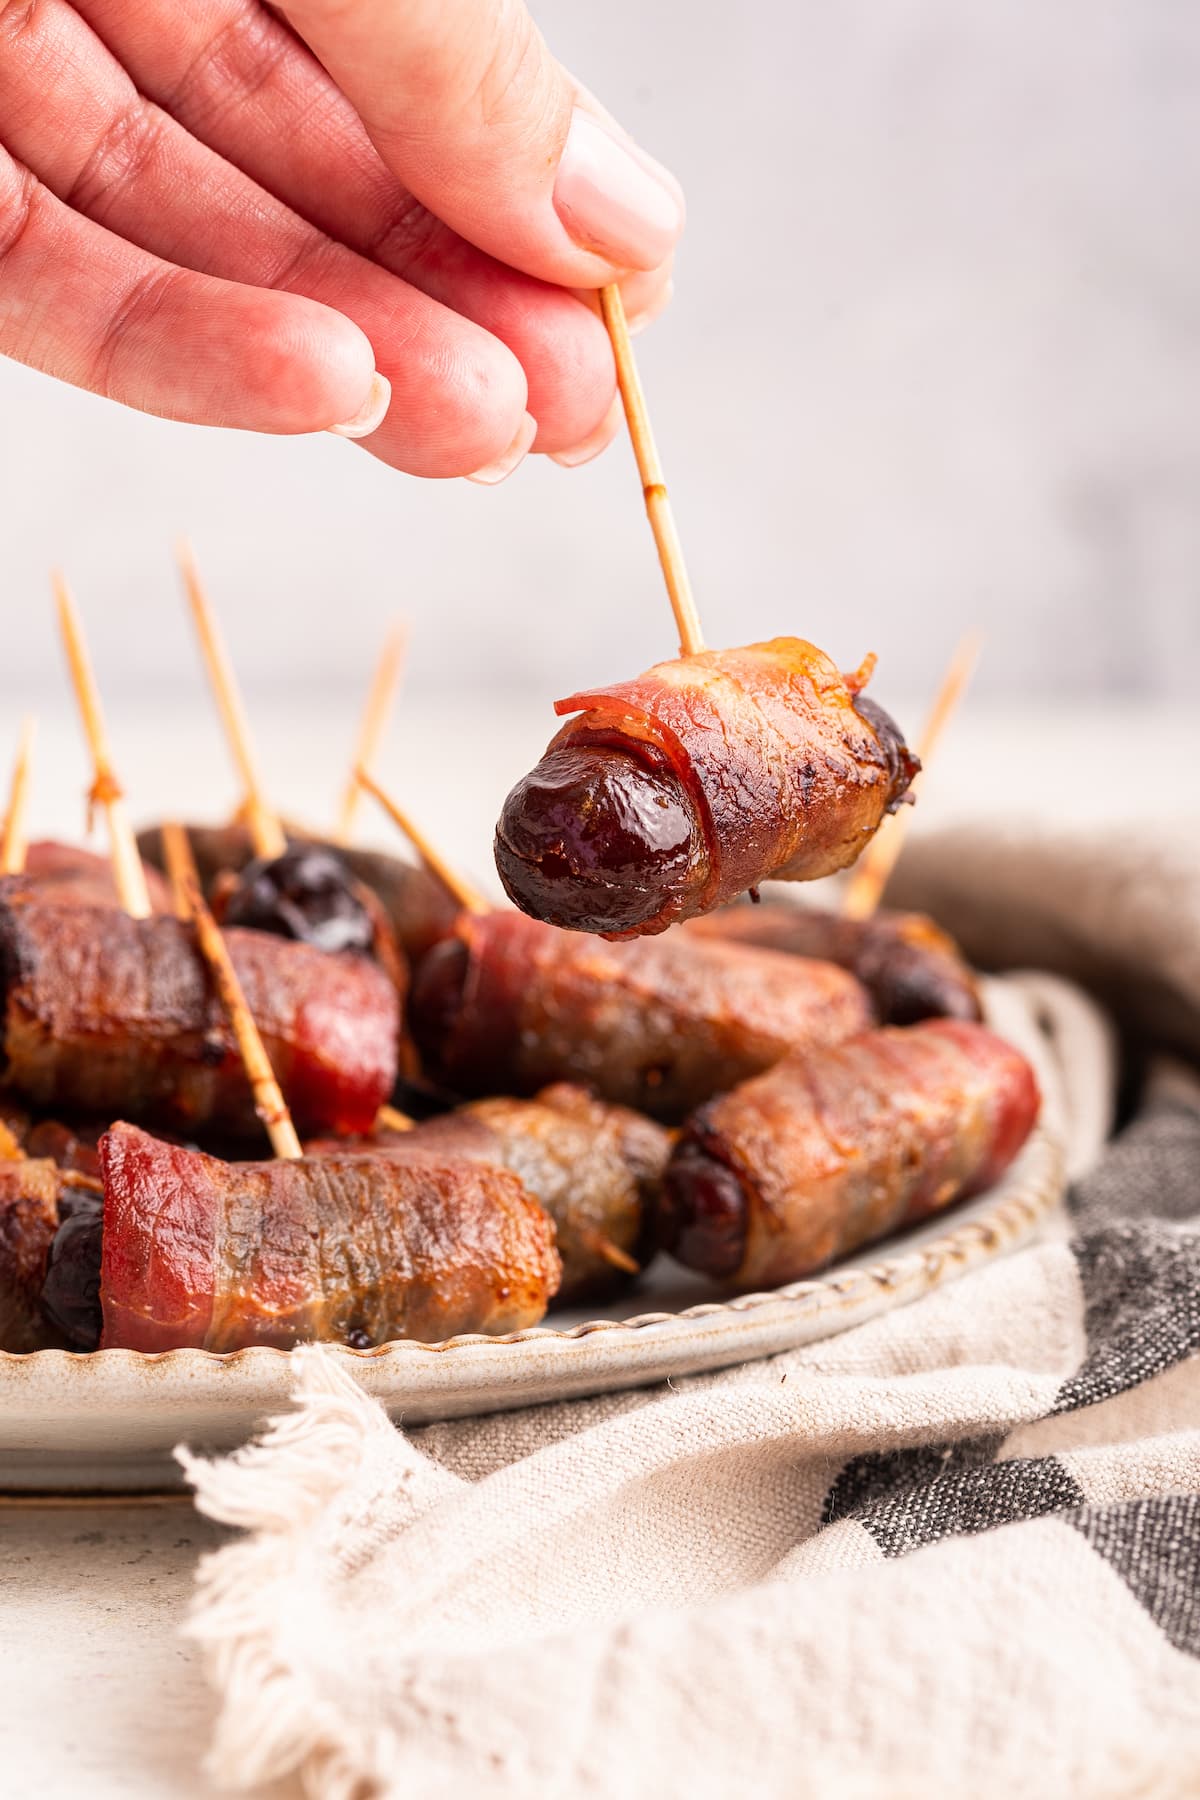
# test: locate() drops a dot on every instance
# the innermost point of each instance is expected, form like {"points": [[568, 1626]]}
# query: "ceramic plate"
{"points": [[109, 1421]]}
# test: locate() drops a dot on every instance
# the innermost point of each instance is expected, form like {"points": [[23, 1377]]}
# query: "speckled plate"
{"points": [[110, 1420]]}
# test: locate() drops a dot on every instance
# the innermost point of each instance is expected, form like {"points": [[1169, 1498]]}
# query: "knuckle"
{"points": [[124, 150], [235, 63], [18, 194], [407, 238], [142, 301], [20, 19]]}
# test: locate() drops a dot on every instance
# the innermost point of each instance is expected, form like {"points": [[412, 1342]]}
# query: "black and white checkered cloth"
{"points": [[954, 1551]]}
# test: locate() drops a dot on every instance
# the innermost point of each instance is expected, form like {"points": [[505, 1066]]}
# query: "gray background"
{"points": [[934, 361]]}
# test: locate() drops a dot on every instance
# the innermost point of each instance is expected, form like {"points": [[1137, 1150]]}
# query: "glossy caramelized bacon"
{"points": [[353, 1248], [675, 792], [911, 968], [29, 1192], [111, 1016], [829, 1151], [660, 1024], [596, 1168]]}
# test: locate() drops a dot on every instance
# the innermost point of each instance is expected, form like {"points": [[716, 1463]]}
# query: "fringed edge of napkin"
{"points": [[272, 1720]]}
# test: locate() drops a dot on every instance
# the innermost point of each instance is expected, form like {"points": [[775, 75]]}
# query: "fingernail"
{"points": [[493, 473], [371, 413], [655, 310], [615, 200], [591, 446]]}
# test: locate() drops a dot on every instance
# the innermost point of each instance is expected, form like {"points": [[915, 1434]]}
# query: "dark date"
{"points": [[704, 1214], [308, 893], [71, 1290], [593, 838]]}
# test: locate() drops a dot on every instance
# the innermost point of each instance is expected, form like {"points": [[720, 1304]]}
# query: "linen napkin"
{"points": [[954, 1550]]}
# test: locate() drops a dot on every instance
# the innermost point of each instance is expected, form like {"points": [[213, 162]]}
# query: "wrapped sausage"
{"points": [[356, 1248], [508, 1004], [826, 1152], [106, 1015], [674, 793], [596, 1168]]}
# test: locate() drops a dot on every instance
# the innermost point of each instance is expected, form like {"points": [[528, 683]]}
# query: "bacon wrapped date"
{"points": [[107, 1015], [911, 968], [675, 792], [74, 877], [596, 1168], [29, 1195], [827, 1152], [356, 1248], [508, 1004], [281, 899]]}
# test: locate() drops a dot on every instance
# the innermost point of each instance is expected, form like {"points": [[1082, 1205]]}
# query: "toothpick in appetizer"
{"points": [[380, 700], [13, 842], [106, 791]]}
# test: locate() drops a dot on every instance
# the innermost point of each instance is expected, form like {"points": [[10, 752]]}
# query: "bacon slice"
{"points": [[911, 968], [659, 1024], [29, 1191], [356, 1247], [77, 877], [596, 1168], [106, 1015], [827, 1152], [747, 765]]}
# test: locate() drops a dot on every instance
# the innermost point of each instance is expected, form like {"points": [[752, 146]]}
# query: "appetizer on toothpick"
{"points": [[911, 967], [673, 793], [269, 1102]]}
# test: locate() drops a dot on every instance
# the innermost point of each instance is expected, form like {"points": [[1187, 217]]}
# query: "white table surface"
{"points": [[99, 1694]]}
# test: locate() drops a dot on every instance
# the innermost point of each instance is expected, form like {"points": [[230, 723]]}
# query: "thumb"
{"points": [[469, 109]]}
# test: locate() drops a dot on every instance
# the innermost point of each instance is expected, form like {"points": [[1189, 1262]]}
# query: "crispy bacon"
{"points": [[29, 1193], [661, 1025], [911, 968], [596, 1168], [354, 1248], [675, 792], [826, 1152], [106, 1015], [76, 877]]}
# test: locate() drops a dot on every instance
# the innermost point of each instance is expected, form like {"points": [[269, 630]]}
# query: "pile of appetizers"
{"points": [[480, 1113]]}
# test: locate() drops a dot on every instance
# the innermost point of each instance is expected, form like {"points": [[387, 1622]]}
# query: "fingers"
{"points": [[78, 303], [469, 109], [240, 81], [459, 397]]}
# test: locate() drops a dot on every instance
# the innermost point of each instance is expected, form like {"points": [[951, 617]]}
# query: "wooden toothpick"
{"points": [[469, 898], [390, 1118], [106, 792], [265, 829], [13, 843], [380, 699], [269, 1102], [865, 888], [654, 488]]}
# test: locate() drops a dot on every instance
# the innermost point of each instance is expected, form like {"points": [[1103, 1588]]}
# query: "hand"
{"points": [[201, 219]]}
